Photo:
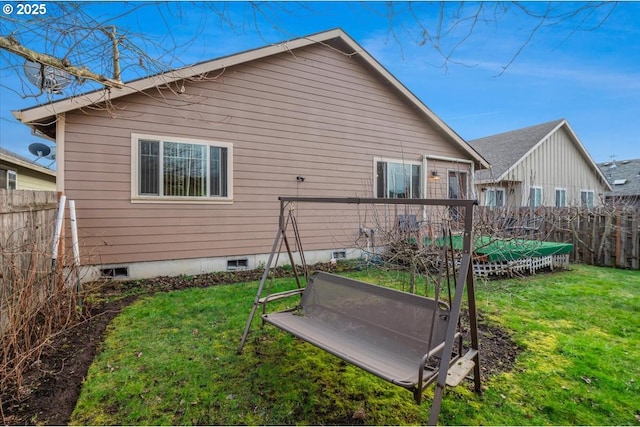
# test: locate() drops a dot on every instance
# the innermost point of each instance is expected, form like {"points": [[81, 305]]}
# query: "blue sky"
{"points": [[580, 69]]}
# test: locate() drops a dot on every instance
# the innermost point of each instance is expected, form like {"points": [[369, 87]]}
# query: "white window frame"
{"points": [[10, 176], [494, 191], [135, 166], [421, 179], [562, 191], [590, 203], [532, 200]]}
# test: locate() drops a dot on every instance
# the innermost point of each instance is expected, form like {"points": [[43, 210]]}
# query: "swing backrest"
{"points": [[392, 317]]}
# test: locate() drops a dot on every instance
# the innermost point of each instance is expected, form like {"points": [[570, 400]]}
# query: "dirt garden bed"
{"points": [[52, 386]]}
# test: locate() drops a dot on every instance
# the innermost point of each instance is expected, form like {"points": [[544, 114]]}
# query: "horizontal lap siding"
{"points": [[27, 181], [319, 114]]}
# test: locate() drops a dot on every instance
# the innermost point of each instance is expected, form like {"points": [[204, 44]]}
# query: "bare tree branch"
{"points": [[11, 45], [111, 33], [74, 33]]}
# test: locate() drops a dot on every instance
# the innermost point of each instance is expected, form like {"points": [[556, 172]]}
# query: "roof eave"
{"points": [[35, 115], [480, 161], [496, 181], [531, 150], [586, 154], [40, 112], [27, 165]]}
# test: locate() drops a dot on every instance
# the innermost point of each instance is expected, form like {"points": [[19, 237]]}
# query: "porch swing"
{"points": [[403, 338]]}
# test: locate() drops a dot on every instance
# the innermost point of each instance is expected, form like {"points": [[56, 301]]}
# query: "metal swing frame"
{"points": [[451, 367]]}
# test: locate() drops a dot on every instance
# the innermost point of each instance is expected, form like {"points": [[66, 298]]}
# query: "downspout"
{"points": [[425, 177], [60, 154], [473, 182]]}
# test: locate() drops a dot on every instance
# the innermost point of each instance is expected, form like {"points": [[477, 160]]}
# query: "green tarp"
{"points": [[495, 249]]}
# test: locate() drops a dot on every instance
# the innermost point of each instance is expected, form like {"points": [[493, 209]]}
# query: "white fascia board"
{"points": [[38, 113], [531, 150], [586, 154], [27, 165], [418, 103], [35, 114]]}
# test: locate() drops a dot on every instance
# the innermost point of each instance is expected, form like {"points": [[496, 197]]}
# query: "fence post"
{"points": [[635, 239], [608, 236], [26, 229]]}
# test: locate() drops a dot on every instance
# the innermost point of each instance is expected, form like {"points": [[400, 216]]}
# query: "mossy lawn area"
{"points": [[170, 359]]}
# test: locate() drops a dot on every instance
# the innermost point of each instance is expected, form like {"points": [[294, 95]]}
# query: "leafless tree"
{"points": [[73, 38]]}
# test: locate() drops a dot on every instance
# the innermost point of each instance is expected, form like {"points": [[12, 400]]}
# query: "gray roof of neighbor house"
{"points": [[40, 117], [504, 150], [17, 159], [623, 175]]}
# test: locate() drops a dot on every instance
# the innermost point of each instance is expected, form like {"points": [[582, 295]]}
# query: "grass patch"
{"points": [[171, 359]]}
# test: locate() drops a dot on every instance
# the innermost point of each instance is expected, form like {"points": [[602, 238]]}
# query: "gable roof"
{"points": [[40, 117], [623, 176], [506, 150]]}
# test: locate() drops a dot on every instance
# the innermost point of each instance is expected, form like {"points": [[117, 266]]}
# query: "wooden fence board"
{"points": [[27, 225], [635, 238], [607, 236]]}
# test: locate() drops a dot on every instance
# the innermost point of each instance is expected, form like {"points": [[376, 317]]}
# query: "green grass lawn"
{"points": [[171, 359]]}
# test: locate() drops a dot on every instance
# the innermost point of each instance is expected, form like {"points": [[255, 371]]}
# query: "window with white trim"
{"points": [[587, 198], [535, 197], [182, 169], [561, 197], [398, 180], [8, 179], [12, 180], [494, 197]]}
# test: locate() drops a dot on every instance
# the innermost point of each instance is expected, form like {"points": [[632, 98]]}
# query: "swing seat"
{"points": [[394, 335]]}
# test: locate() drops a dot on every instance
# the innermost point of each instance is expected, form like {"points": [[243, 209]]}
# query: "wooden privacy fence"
{"points": [[27, 224], [605, 236]]}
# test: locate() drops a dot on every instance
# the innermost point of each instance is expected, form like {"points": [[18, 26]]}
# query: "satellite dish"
{"points": [[49, 79], [52, 154], [39, 149]]}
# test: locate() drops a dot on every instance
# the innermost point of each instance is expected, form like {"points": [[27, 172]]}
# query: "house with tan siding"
{"points": [[541, 165], [20, 173], [179, 173]]}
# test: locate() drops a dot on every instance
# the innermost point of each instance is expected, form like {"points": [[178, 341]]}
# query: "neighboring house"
{"points": [[542, 165], [624, 177], [181, 174], [20, 173]]}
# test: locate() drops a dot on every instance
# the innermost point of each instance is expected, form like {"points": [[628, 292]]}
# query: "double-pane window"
{"points": [[182, 169], [561, 198], [586, 198], [8, 179], [495, 198], [535, 197], [398, 180]]}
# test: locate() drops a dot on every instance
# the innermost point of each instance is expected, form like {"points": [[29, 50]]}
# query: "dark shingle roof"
{"points": [[623, 170], [505, 149]]}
